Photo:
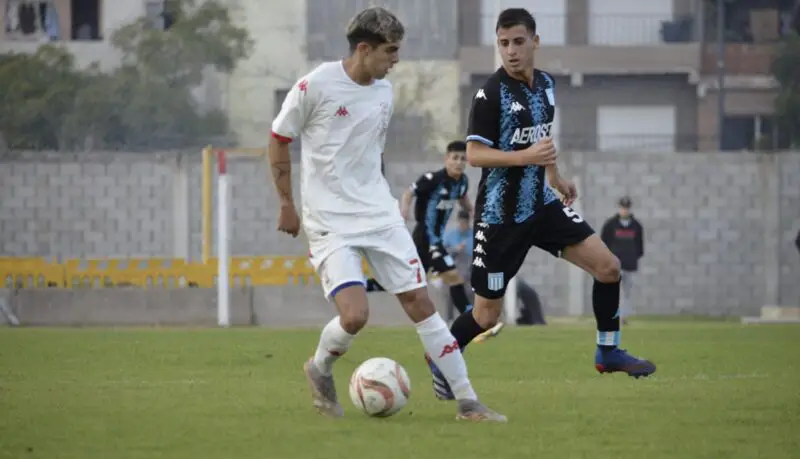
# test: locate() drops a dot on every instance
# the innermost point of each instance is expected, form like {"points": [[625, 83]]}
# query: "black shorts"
{"points": [[499, 250], [434, 257]]}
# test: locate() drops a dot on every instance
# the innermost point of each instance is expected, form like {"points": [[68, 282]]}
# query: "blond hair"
{"points": [[375, 25]]}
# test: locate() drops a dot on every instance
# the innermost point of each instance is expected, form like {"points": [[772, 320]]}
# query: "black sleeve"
{"points": [[640, 239], [797, 241], [607, 233], [484, 117], [424, 184]]}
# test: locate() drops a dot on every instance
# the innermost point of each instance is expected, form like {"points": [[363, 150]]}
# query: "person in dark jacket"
{"points": [[797, 241], [624, 235]]}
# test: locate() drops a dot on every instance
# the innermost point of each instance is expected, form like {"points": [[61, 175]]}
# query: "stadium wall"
{"points": [[719, 227], [290, 306]]}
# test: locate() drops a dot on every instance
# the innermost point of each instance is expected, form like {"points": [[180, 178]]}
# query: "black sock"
{"points": [[374, 286], [465, 329], [459, 296], [605, 302]]}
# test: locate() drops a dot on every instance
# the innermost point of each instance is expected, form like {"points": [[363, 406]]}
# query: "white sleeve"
{"points": [[294, 112]]}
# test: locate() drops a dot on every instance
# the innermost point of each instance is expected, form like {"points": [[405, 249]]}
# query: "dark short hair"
{"points": [[512, 17], [374, 26], [463, 215], [457, 145], [625, 202]]}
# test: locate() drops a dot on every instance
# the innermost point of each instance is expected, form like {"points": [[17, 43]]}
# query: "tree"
{"points": [[786, 69], [38, 90], [146, 103]]}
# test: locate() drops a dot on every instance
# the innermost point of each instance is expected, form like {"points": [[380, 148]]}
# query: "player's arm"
{"points": [[640, 239], [483, 135], [287, 126], [464, 201], [422, 186]]}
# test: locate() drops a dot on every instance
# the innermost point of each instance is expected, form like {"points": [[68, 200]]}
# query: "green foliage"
{"points": [[146, 103], [786, 69]]}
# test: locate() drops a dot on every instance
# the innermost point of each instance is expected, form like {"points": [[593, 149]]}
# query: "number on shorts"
{"points": [[572, 215], [415, 264]]}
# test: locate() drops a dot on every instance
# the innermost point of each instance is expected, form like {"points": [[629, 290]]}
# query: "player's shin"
{"points": [[465, 328], [333, 343], [605, 302], [443, 349]]}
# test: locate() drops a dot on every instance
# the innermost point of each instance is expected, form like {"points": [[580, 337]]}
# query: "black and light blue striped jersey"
{"points": [[509, 115], [436, 194]]}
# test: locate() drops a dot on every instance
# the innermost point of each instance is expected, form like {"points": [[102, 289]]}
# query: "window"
{"points": [[550, 15], [628, 22], [753, 132], [159, 14], [86, 19], [31, 20], [644, 128]]}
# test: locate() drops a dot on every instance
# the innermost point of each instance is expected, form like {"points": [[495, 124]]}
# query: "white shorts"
{"points": [[390, 253]]}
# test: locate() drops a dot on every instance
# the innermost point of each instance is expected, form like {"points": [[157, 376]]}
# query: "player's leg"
{"points": [[343, 283], [568, 233], [394, 260], [499, 252], [442, 264], [498, 255]]}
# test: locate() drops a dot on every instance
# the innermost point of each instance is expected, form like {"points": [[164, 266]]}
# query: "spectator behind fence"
{"points": [[797, 241], [624, 235]]}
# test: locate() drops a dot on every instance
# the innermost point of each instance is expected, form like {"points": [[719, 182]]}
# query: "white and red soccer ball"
{"points": [[380, 387]]}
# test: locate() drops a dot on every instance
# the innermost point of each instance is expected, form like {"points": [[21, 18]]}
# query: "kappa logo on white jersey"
{"points": [[495, 281], [516, 107], [478, 262], [480, 237], [480, 94]]}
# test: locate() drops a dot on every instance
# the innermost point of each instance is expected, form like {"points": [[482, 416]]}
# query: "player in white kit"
{"points": [[341, 112]]}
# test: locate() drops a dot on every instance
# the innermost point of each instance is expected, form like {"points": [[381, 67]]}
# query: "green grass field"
{"points": [[723, 390]]}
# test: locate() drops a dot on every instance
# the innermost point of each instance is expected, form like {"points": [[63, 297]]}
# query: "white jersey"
{"points": [[342, 126]]}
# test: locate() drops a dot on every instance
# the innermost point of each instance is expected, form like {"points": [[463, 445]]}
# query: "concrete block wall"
{"points": [[719, 227]]}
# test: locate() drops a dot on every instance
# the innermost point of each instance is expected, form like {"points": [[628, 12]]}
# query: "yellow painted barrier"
{"points": [[30, 273], [155, 272]]}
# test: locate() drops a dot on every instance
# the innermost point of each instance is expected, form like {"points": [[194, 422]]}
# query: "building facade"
{"points": [[630, 74]]}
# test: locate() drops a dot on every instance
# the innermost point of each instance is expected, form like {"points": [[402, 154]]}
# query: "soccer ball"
{"points": [[380, 387]]}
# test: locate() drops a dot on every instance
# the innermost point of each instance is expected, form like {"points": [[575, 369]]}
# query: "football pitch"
{"points": [[722, 390]]}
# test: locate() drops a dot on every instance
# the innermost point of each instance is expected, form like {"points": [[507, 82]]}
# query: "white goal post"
{"points": [[223, 242]]}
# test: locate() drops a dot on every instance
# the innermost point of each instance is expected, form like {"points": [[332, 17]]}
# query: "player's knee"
{"points": [[417, 304], [609, 271], [354, 319]]}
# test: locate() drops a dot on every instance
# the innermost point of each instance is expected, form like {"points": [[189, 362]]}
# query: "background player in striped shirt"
{"points": [[437, 193], [509, 137]]}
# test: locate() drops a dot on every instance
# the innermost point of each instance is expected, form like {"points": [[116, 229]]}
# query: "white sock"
{"points": [[333, 343], [443, 349]]}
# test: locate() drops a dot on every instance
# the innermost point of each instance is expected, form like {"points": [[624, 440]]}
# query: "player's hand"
{"points": [[288, 220], [569, 193], [542, 153]]}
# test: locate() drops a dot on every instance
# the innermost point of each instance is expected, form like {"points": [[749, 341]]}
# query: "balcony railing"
{"points": [[601, 30]]}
